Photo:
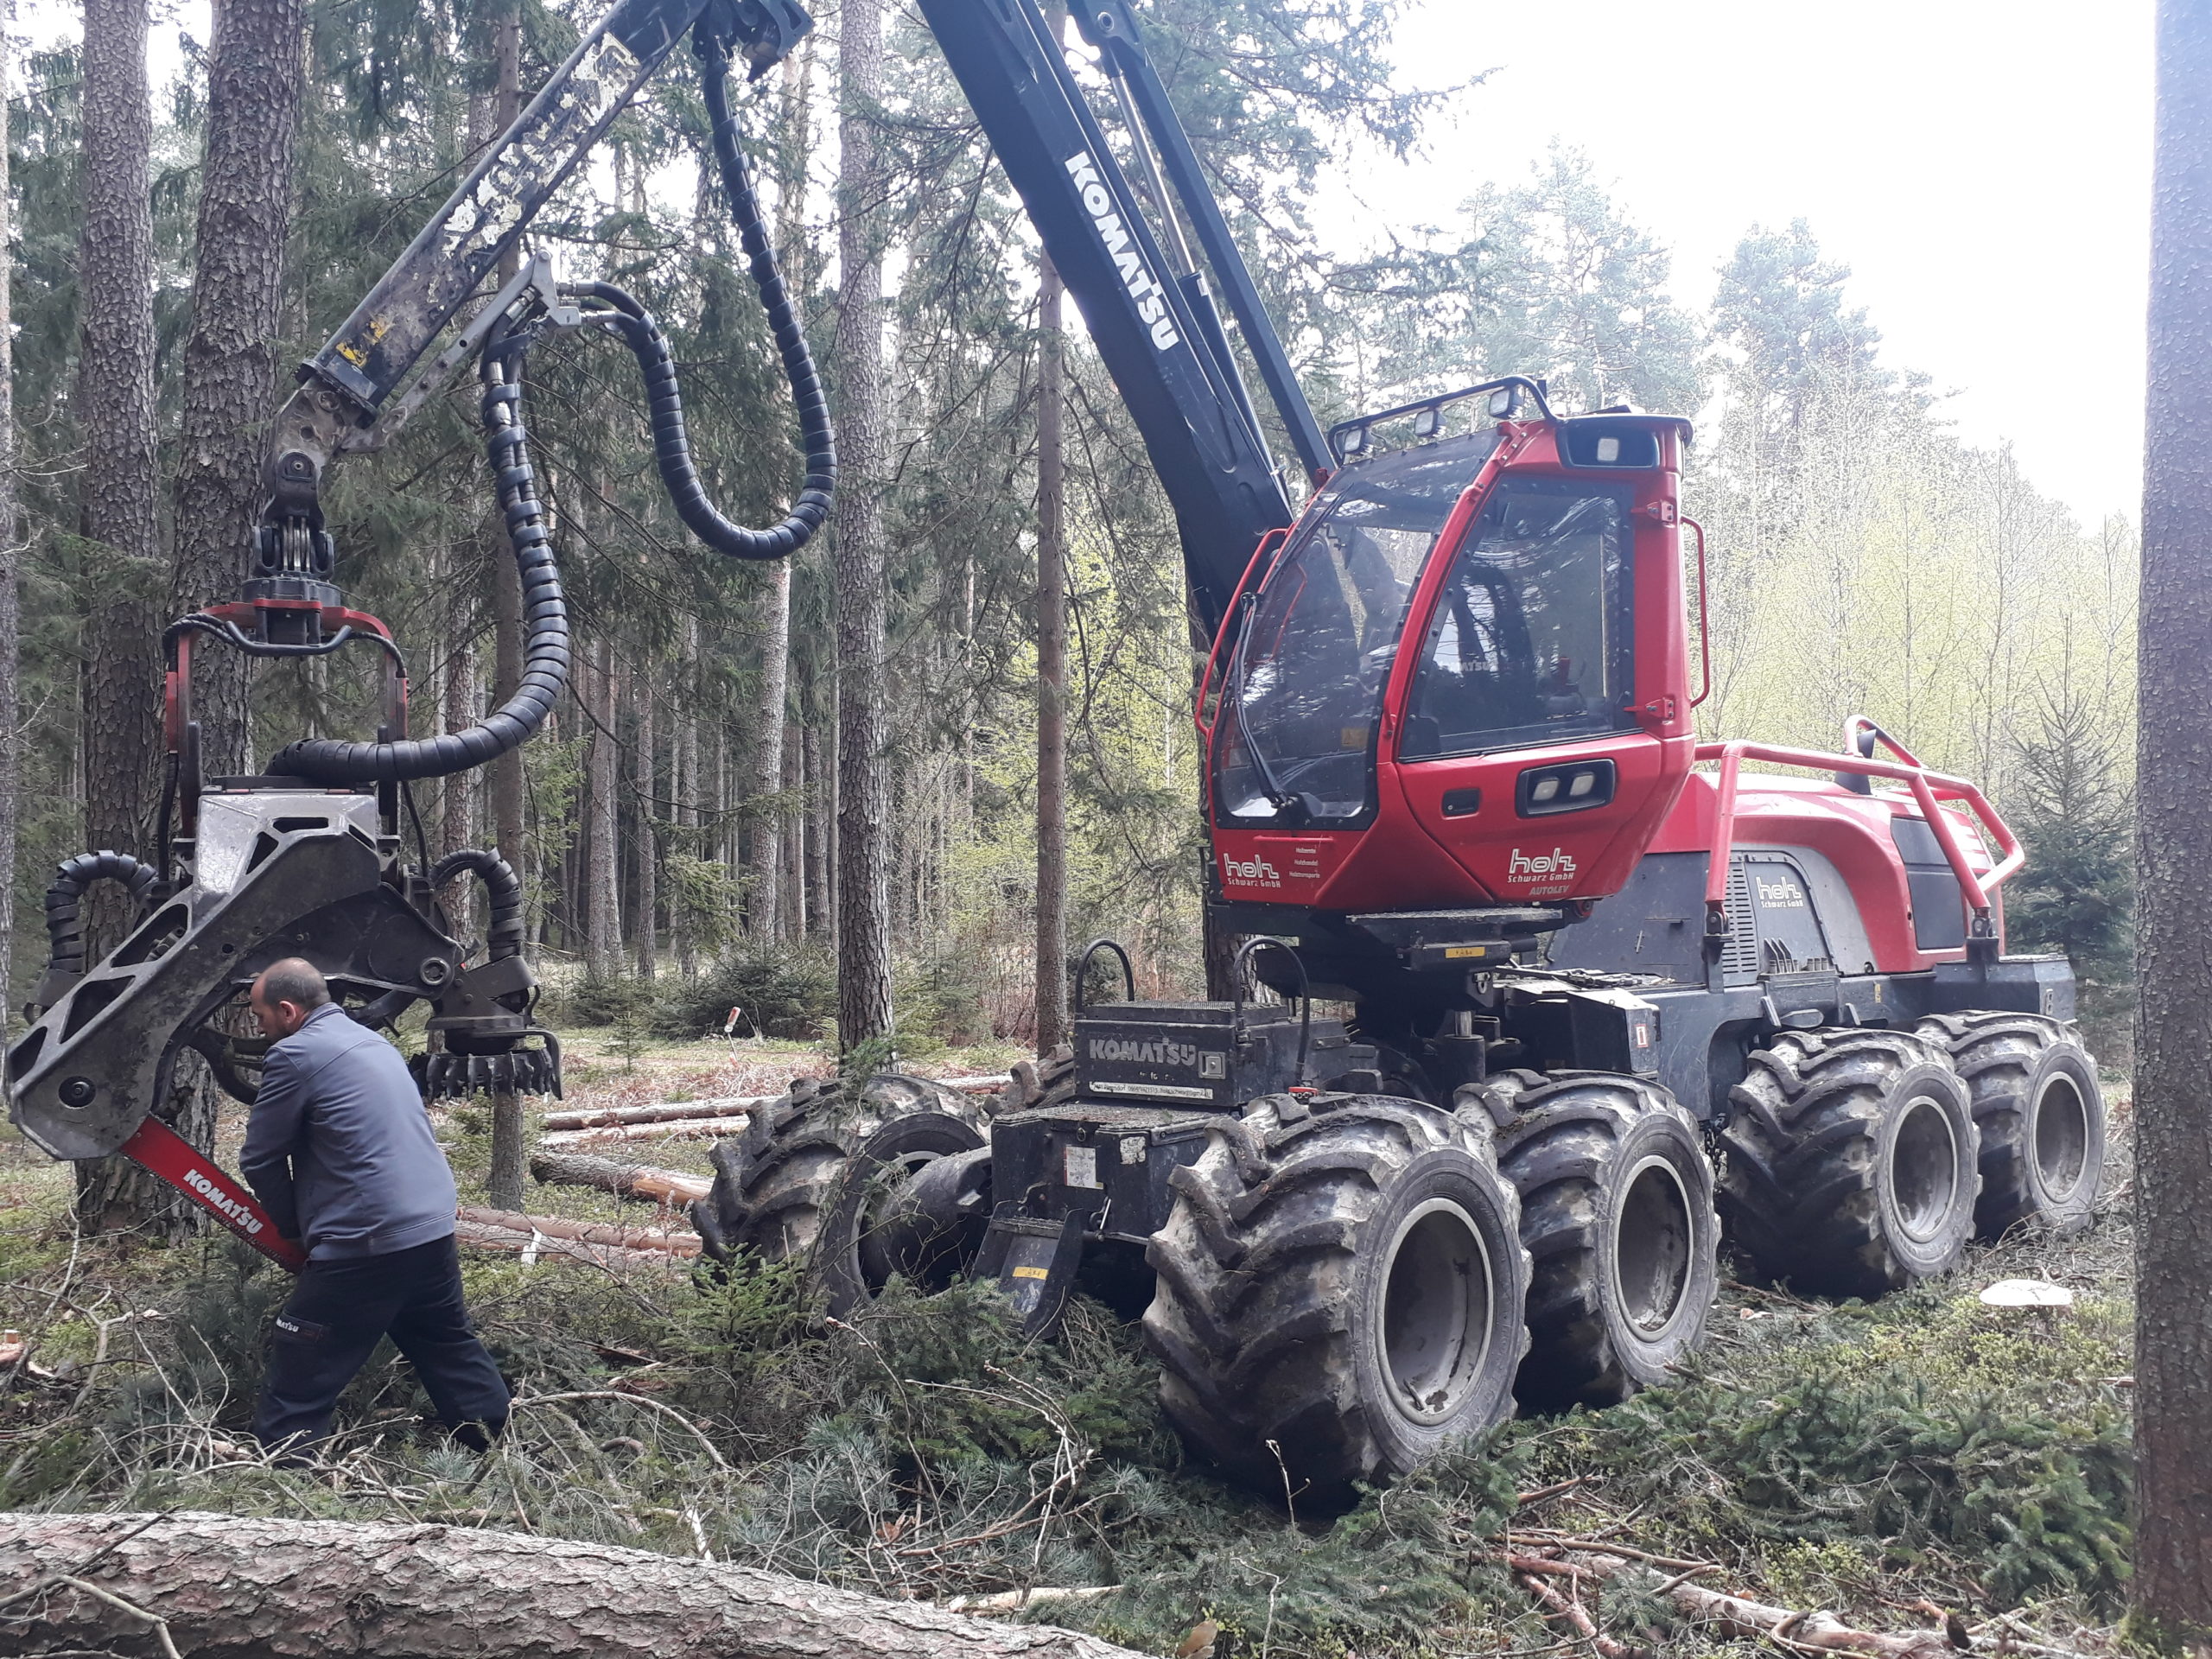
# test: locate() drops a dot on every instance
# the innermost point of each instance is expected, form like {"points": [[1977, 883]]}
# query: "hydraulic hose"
{"points": [[545, 617], [64, 931], [545, 664], [664, 402], [502, 886]]}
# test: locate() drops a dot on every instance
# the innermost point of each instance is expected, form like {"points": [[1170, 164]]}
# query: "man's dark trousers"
{"points": [[331, 1325]]}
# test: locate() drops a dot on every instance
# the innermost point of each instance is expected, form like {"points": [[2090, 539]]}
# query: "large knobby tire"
{"points": [[1852, 1161], [1339, 1292], [1623, 1244], [2041, 1114], [814, 1175]]}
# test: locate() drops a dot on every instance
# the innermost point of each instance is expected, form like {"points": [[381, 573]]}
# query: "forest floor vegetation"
{"points": [[1922, 1464]]}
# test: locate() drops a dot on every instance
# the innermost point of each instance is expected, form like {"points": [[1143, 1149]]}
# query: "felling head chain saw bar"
{"points": [[306, 859]]}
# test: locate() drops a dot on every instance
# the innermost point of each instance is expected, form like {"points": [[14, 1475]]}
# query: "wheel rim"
{"points": [[1924, 1167], [2062, 1136], [882, 1252], [1653, 1231], [1437, 1291]]}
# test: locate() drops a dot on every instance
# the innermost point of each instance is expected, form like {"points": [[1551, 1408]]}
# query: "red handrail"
{"points": [[1928, 790]]}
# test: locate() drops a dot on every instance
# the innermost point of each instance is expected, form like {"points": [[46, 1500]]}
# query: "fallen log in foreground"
{"points": [[670, 1187], [239, 1585]]}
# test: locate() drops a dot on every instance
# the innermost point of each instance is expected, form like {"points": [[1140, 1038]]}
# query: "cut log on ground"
{"points": [[585, 1232], [688, 1129], [233, 1585], [669, 1187], [668, 1112], [505, 1241]]}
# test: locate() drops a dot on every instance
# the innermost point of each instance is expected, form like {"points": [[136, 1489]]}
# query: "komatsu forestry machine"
{"points": [[1607, 987]]}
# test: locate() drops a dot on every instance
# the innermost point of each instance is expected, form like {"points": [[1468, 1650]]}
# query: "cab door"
{"points": [[1539, 728]]}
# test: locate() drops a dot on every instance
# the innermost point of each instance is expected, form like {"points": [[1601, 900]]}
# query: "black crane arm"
{"points": [[345, 386], [1150, 314]]}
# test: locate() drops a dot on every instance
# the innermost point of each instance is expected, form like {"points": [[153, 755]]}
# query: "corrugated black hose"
{"points": [[545, 617], [502, 888], [671, 445], [545, 663], [65, 928]]}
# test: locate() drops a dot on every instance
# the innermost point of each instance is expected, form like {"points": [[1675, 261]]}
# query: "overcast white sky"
{"points": [[1983, 167]]}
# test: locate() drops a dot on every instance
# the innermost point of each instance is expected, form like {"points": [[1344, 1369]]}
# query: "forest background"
{"points": [[679, 819]]}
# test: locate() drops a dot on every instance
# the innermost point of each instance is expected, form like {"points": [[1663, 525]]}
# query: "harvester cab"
{"points": [[1461, 680]]}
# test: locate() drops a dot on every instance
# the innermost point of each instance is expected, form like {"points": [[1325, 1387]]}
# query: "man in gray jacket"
{"points": [[340, 1154]]}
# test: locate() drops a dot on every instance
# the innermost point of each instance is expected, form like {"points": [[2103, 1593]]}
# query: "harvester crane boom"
{"points": [[308, 858], [1152, 319]]}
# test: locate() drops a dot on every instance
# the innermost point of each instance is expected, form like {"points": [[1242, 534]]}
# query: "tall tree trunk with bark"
{"points": [[1052, 671], [684, 788], [602, 882], [863, 849], [793, 876], [457, 816], [762, 898], [10, 581], [230, 357], [119, 515], [821, 821], [504, 785], [230, 383], [648, 834], [2172, 1585], [506, 772]]}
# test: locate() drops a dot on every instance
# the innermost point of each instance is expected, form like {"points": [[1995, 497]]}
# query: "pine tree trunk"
{"points": [[115, 402], [793, 876], [117, 512], [11, 581], [505, 784], [863, 898], [648, 835], [685, 788], [457, 827], [2172, 1585], [506, 771], [1052, 672], [818, 820], [603, 898], [762, 907], [230, 357]]}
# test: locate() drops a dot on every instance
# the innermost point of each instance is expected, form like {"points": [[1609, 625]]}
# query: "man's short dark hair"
{"points": [[294, 980]]}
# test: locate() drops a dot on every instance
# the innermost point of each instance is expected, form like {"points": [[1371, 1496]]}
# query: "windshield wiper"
{"points": [[1280, 799]]}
